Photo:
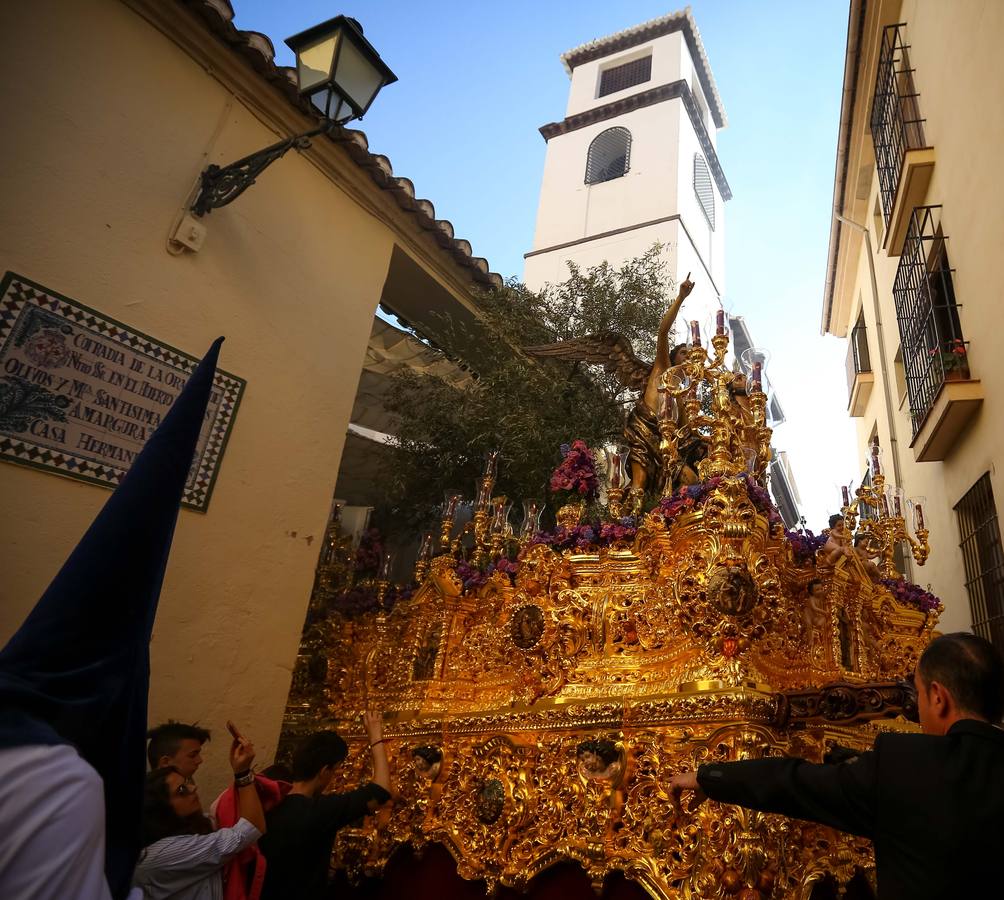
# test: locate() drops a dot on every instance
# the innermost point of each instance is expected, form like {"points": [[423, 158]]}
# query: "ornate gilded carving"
{"points": [[527, 626], [538, 715]]}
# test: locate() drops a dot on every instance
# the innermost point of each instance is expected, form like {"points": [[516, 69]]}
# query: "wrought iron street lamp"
{"points": [[339, 71]]}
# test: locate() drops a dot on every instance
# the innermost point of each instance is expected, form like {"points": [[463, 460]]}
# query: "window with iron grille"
{"points": [[865, 512], [609, 155], [621, 77], [858, 358], [859, 342], [704, 189], [896, 124], [983, 558], [927, 314]]}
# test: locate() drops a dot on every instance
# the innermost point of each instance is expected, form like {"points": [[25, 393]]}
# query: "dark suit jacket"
{"points": [[933, 806]]}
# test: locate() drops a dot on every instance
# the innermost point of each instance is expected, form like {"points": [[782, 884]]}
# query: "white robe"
{"points": [[52, 826]]}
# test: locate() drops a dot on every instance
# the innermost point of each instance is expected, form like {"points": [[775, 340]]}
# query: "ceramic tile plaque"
{"points": [[80, 393]]}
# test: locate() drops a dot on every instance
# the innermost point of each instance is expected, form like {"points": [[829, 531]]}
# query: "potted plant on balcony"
{"points": [[954, 360]]}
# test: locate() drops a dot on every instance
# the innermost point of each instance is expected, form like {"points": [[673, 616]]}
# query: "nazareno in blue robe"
{"points": [[78, 669]]}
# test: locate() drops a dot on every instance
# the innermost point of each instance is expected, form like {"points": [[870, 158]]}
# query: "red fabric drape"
{"points": [[434, 875], [244, 875]]}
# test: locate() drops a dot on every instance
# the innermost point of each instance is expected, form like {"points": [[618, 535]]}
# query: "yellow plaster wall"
{"points": [[954, 49], [106, 124]]}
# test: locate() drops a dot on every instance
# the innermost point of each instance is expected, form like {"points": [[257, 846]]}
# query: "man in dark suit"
{"points": [[932, 803]]}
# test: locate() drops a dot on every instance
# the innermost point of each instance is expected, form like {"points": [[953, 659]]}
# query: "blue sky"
{"points": [[478, 78]]}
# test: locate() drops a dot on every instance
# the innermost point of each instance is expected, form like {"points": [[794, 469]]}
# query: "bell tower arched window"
{"points": [[609, 155]]}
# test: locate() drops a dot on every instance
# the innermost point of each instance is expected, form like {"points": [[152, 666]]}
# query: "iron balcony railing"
{"points": [[927, 314], [896, 124], [858, 360]]}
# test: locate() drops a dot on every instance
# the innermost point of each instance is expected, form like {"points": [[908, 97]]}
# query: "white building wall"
{"points": [[667, 54], [688, 72], [552, 267], [570, 209], [711, 242], [658, 187], [678, 252]]}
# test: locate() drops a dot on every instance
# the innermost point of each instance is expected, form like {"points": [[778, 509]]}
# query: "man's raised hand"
{"points": [[373, 721], [686, 781], [241, 750]]}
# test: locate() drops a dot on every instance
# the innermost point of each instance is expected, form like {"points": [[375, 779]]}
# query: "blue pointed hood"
{"points": [[78, 669]]}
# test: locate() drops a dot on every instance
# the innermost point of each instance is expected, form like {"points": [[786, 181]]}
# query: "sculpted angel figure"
{"points": [[641, 431], [599, 759]]}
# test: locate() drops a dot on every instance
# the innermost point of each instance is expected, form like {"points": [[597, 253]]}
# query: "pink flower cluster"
{"points": [[577, 472], [914, 595]]}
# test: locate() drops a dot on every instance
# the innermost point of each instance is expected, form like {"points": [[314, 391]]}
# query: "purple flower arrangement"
{"points": [[683, 500], [363, 598], [804, 545], [692, 496], [588, 536], [575, 478], [914, 595], [761, 498], [472, 577], [369, 552]]}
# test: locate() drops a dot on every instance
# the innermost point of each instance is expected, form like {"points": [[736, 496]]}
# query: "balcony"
{"points": [[957, 402], [903, 161], [860, 379], [943, 396]]}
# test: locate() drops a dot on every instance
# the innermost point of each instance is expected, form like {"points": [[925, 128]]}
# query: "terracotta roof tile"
{"points": [[258, 52]]}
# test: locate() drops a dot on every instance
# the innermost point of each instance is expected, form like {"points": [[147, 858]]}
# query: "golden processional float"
{"points": [[542, 687]]}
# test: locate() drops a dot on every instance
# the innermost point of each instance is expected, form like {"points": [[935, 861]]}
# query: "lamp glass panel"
{"points": [[313, 62], [330, 105], [356, 77]]}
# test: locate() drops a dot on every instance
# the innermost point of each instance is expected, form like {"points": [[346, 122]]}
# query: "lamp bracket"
{"points": [[222, 185]]}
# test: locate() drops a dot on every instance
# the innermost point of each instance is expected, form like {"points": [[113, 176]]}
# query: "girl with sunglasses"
{"points": [[183, 856]]}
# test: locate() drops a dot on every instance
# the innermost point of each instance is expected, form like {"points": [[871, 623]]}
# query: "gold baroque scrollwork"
{"points": [[690, 644]]}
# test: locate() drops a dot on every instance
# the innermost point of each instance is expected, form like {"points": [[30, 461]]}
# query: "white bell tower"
{"points": [[634, 162]]}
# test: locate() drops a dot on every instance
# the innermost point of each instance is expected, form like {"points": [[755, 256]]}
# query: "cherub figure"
{"points": [[814, 616], [866, 554], [427, 761], [614, 352], [838, 541], [599, 759]]}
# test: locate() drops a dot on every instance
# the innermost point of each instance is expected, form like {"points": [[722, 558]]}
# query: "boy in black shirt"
{"points": [[297, 845]]}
